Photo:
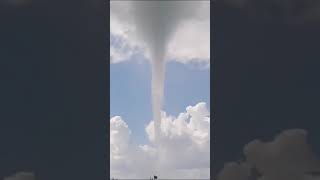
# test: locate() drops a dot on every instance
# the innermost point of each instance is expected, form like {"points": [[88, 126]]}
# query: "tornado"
{"points": [[155, 23]]}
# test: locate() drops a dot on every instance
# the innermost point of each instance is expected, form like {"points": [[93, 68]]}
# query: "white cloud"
{"points": [[122, 51], [287, 157], [184, 150], [190, 41], [21, 176]]}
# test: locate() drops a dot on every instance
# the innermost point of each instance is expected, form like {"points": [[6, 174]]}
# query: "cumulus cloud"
{"points": [[21, 176], [184, 150], [190, 41], [287, 157], [120, 50]]}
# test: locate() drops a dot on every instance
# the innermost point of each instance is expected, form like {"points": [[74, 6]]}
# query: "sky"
{"points": [[186, 103], [130, 92]]}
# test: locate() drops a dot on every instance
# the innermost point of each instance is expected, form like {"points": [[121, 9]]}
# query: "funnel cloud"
{"points": [[155, 24]]}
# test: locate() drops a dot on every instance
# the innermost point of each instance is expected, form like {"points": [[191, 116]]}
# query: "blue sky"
{"points": [[130, 92]]}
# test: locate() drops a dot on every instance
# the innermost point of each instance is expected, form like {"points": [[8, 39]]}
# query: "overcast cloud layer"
{"points": [[185, 150], [190, 40]]}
